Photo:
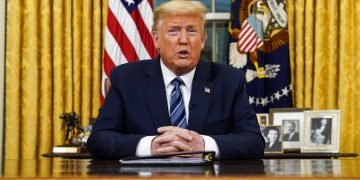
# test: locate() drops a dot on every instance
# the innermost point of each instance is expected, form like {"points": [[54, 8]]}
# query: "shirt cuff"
{"points": [[144, 146], [210, 145]]}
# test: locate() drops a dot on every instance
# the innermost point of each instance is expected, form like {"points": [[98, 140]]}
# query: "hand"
{"points": [[174, 139]]}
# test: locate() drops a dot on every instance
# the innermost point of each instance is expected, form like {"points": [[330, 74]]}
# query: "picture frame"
{"points": [[263, 119], [273, 139], [321, 131], [292, 121]]}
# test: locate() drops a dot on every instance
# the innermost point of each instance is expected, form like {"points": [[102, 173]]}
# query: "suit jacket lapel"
{"points": [[201, 93], [155, 93]]}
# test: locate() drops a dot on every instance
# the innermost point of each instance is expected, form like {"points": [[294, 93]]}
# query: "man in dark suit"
{"points": [[291, 134], [136, 117]]}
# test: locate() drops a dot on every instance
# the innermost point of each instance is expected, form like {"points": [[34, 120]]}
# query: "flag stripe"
{"points": [[121, 38], [127, 35], [244, 38], [147, 18], [108, 64], [245, 28], [146, 13], [113, 49], [244, 33], [128, 24], [251, 43], [144, 34], [248, 39]]}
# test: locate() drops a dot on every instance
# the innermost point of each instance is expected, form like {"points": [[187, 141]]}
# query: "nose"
{"points": [[183, 39]]}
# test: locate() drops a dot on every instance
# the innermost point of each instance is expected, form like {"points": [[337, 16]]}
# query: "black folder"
{"points": [[178, 158]]}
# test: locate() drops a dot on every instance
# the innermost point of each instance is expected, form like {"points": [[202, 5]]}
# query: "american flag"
{"points": [[127, 35], [250, 37]]}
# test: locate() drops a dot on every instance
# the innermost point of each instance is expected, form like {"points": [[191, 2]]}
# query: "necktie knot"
{"points": [[177, 82]]}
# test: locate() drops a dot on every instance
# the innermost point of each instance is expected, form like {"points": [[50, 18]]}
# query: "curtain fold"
{"points": [[324, 50], [53, 65]]}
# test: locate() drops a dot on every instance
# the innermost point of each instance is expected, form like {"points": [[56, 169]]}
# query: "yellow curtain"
{"points": [[325, 60], [53, 65]]}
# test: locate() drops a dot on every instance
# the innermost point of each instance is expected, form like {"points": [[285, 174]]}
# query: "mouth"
{"points": [[183, 53]]}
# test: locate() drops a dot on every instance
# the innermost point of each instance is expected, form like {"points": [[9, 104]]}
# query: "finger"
{"points": [[166, 128], [168, 138], [170, 130], [172, 143], [167, 149], [194, 134], [184, 135], [180, 146]]}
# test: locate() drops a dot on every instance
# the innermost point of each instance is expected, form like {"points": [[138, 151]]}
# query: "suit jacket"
{"points": [[295, 137], [136, 106]]}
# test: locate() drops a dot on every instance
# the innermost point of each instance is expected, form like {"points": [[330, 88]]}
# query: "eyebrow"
{"points": [[179, 26]]}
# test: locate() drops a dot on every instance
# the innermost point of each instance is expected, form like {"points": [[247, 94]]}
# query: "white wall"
{"points": [[2, 72]]}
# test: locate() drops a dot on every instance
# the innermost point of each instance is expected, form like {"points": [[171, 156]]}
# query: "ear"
{"points": [[155, 37]]}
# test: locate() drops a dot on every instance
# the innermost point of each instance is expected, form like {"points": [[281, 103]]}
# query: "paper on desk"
{"points": [[180, 158], [165, 161]]}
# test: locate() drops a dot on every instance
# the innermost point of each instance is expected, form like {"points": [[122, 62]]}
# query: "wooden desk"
{"points": [[267, 156], [59, 168]]}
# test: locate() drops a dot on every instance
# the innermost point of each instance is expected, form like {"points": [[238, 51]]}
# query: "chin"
{"points": [[182, 69]]}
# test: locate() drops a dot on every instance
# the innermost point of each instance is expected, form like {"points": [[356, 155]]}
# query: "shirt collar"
{"points": [[168, 76]]}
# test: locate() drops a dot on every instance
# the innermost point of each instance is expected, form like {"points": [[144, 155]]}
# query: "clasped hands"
{"points": [[175, 139]]}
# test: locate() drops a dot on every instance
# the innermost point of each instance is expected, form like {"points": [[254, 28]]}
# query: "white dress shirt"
{"points": [[144, 145]]}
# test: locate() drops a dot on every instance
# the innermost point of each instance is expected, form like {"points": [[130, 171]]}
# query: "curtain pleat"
{"points": [[30, 79], [45, 93], [324, 50], [349, 81], [309, 44], [12, 80], [53, 65]]}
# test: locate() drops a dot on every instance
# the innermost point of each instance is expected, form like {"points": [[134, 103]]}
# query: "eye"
{"points": [[192, 31], [172, 32]]}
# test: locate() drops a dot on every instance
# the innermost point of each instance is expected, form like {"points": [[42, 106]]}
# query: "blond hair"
{"points": [[176, 7]]}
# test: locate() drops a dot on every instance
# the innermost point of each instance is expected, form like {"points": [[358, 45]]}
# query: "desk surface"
{"points": [[49, 168], [267, 156]]}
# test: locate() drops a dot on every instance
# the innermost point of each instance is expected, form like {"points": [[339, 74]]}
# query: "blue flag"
{"points": [[259, 44]]}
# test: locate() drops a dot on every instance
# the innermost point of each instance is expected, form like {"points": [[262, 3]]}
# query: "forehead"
{"points": [[289, 123]]}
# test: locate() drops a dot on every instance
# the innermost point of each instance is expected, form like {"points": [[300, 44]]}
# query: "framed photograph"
{"points": [[274, 111], [273, 140], [292, 121], [321, 131], [263, 119]]}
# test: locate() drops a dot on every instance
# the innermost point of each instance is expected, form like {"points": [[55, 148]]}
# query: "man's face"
{"points": [[180, 41], [289, 127]]}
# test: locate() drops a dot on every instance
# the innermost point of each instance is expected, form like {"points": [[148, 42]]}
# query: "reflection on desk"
{"points": [[98, 168], [267, 168]]}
